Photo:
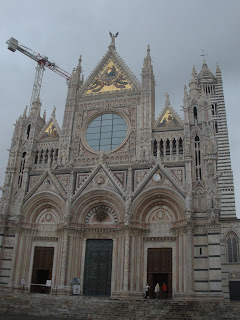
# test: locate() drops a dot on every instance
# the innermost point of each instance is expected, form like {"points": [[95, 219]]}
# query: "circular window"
{"points": [[106, 132]]}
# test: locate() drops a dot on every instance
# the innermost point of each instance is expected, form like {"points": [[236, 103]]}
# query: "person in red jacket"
{"points": [[164, 290]]}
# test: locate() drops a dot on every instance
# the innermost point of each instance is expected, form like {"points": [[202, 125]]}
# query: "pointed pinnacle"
{"points": [[194, 73], [167, 101], [218, 69], [54, 112]]}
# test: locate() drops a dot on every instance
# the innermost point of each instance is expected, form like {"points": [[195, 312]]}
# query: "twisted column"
{"points": [[64, 258], [126, 261]]}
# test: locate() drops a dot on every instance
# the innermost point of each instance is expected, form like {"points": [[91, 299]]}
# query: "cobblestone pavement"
{"points": [[7, 316]]}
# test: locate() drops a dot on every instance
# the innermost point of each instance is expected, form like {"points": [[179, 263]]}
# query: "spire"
{"points": [[147, 63], [79, 67], [218, 72], [185, 92], [25, 112], [54, 112], [205, 74], [193, 85], [44, 116]]}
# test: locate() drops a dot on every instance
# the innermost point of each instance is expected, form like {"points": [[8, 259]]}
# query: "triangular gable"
{"points": [[50, 131], [168, 119], [159, 176], [47, 182], [100, 176], [110, 75]]}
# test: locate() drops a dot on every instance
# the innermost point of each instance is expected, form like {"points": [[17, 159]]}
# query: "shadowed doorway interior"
{"points": [[159, 270], [42, 269]]}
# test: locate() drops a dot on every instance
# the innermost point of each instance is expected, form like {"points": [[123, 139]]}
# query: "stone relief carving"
{"points": [[100, 214]]}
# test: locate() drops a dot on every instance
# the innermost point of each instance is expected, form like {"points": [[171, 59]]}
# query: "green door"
{"points": [[98, 268]]}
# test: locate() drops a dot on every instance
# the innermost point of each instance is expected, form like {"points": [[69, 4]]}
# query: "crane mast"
{"points": [[42, 62]]}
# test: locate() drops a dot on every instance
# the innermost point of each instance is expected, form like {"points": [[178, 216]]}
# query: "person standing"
{"points": [[147, 287], [156, 290], [164, 289]]}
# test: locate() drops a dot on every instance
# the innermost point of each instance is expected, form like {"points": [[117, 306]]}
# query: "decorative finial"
{"points": [[25, 112], [113, 38], [80, 60], [194, 73], [167, 102], [203, 55], [44, 115], [54, 112]]}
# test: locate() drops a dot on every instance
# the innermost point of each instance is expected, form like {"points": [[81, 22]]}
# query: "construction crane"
{"points": [[42, 62]]}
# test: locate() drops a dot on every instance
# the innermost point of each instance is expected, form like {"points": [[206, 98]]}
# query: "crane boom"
{"points": [[42, 61]]}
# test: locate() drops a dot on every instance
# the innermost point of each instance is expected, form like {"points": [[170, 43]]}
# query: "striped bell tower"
{"points": [[211, 85]]}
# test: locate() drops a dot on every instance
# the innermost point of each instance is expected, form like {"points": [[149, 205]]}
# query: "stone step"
{"points": [[89, 308]]}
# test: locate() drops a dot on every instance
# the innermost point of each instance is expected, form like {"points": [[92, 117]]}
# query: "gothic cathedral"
{"points": [[117, 198]]}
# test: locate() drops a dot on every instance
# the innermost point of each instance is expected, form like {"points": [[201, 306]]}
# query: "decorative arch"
{"points": [[232, 247], [86, 206], [42, 204], [161, 201]]}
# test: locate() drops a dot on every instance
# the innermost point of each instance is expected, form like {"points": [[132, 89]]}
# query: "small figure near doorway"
{"points": [[147, 287], [156, 290], [164, 290]]}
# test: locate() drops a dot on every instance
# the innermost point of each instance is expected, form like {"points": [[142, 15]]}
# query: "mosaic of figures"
{"points": [[110, 79]]}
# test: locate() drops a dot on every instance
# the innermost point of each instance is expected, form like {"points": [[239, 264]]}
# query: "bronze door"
{"points": [[159, 270], [234, 290], [42, 269], [98, 268]]}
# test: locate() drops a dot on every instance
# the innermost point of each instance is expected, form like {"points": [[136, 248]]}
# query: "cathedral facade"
{"points": [[117, 197]]}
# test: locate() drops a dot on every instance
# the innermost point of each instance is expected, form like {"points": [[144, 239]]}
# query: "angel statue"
{"points": [[113, 37]]}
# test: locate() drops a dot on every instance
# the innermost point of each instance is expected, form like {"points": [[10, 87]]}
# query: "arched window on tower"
{"points": [[36, 158], [195, 114], [232, 248], [215, 126], [161, 148], [174, 147], [56, 154], [28, 131], [198, 159], [214, 109], [155, 148], [180, 146], [22, 166]]}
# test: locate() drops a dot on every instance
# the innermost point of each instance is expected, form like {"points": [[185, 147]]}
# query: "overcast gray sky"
{"points": [[177, 31]]}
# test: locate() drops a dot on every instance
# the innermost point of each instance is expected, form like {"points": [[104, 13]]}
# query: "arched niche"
{"points": [[44, 208], [87, 208], [159, 198]]}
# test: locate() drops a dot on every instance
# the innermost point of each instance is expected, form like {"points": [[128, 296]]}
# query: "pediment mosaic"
{"points": [[168, 120], [109, 79]]}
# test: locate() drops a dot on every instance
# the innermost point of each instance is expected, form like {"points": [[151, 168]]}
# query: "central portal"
{"points": [[98, 268]]}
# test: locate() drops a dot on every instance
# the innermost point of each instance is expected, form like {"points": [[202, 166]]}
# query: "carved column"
{"points": [[164, 149], [64, 258], [171, 149], [177, 148], [189, 259], [158, 149], [126, 261]]}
